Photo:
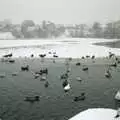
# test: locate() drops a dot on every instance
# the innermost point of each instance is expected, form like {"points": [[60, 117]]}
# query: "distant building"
{"points": [[6, 35]]}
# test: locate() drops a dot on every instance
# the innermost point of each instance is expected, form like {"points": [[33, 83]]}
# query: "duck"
{"points": [[111, 54], [67, 87], [87, 56], [118, 113], [25, 68], [43, 78], [79, 79], [78, 64], [117, 96], [44, 71], [65, 83], [31, 55], [85, 68], [80, 98], [82, 57], [108, 74], [32, 99], [93, 57], [8, 55], [46, 84], [11, 61], [36, 75], [2, 75], [64, 76], [15, 74], [114, 65], [55, 56]]}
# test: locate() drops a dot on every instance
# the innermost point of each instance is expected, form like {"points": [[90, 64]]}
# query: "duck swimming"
{"points": [[108, 74], [32, 99], [117, 96], [85, 68], [80, 98], [67, 87]]}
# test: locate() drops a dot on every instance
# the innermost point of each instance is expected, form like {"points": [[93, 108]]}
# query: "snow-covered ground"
{"points": [[96, 114], [64, 47]]}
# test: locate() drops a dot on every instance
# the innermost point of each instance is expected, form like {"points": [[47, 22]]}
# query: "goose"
{"points": [[32, 99], [80, 98], [117, 96]]}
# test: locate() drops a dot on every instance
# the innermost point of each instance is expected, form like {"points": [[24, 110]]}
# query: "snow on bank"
{"points": [[67, 47], [96, 114]]}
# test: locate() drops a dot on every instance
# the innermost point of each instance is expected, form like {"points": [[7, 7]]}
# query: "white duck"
{"points": [[67, 87], [117, 96], [78, 79]]}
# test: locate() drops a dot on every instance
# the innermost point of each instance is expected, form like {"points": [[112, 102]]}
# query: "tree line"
{"points": [[28, 29]]}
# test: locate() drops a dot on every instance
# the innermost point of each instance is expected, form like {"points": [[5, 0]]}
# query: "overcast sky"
{"points": [[60, 11]]}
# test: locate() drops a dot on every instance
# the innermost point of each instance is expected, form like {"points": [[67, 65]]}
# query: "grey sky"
{"points": [[60, 11]]}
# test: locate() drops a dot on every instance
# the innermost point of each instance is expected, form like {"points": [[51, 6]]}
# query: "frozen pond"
{"points": [[67, 47]]}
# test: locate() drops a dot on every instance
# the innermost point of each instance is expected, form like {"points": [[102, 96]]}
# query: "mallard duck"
{"points": [[79, 98], [32, 99]]}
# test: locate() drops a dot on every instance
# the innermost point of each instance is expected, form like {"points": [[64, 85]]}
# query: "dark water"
{"points": [[54, 103]]}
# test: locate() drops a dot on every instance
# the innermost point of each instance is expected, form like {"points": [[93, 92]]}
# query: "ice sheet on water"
{"points": [[67, 47]]}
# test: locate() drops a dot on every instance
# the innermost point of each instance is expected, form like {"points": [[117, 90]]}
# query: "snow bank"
{"points": [[96, 114]]}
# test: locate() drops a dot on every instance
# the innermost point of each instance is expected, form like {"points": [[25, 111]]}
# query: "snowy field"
{"points": [[64, 47]]}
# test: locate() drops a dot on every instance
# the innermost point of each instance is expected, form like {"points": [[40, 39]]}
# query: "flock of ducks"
{"points": [[43, 73]]}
